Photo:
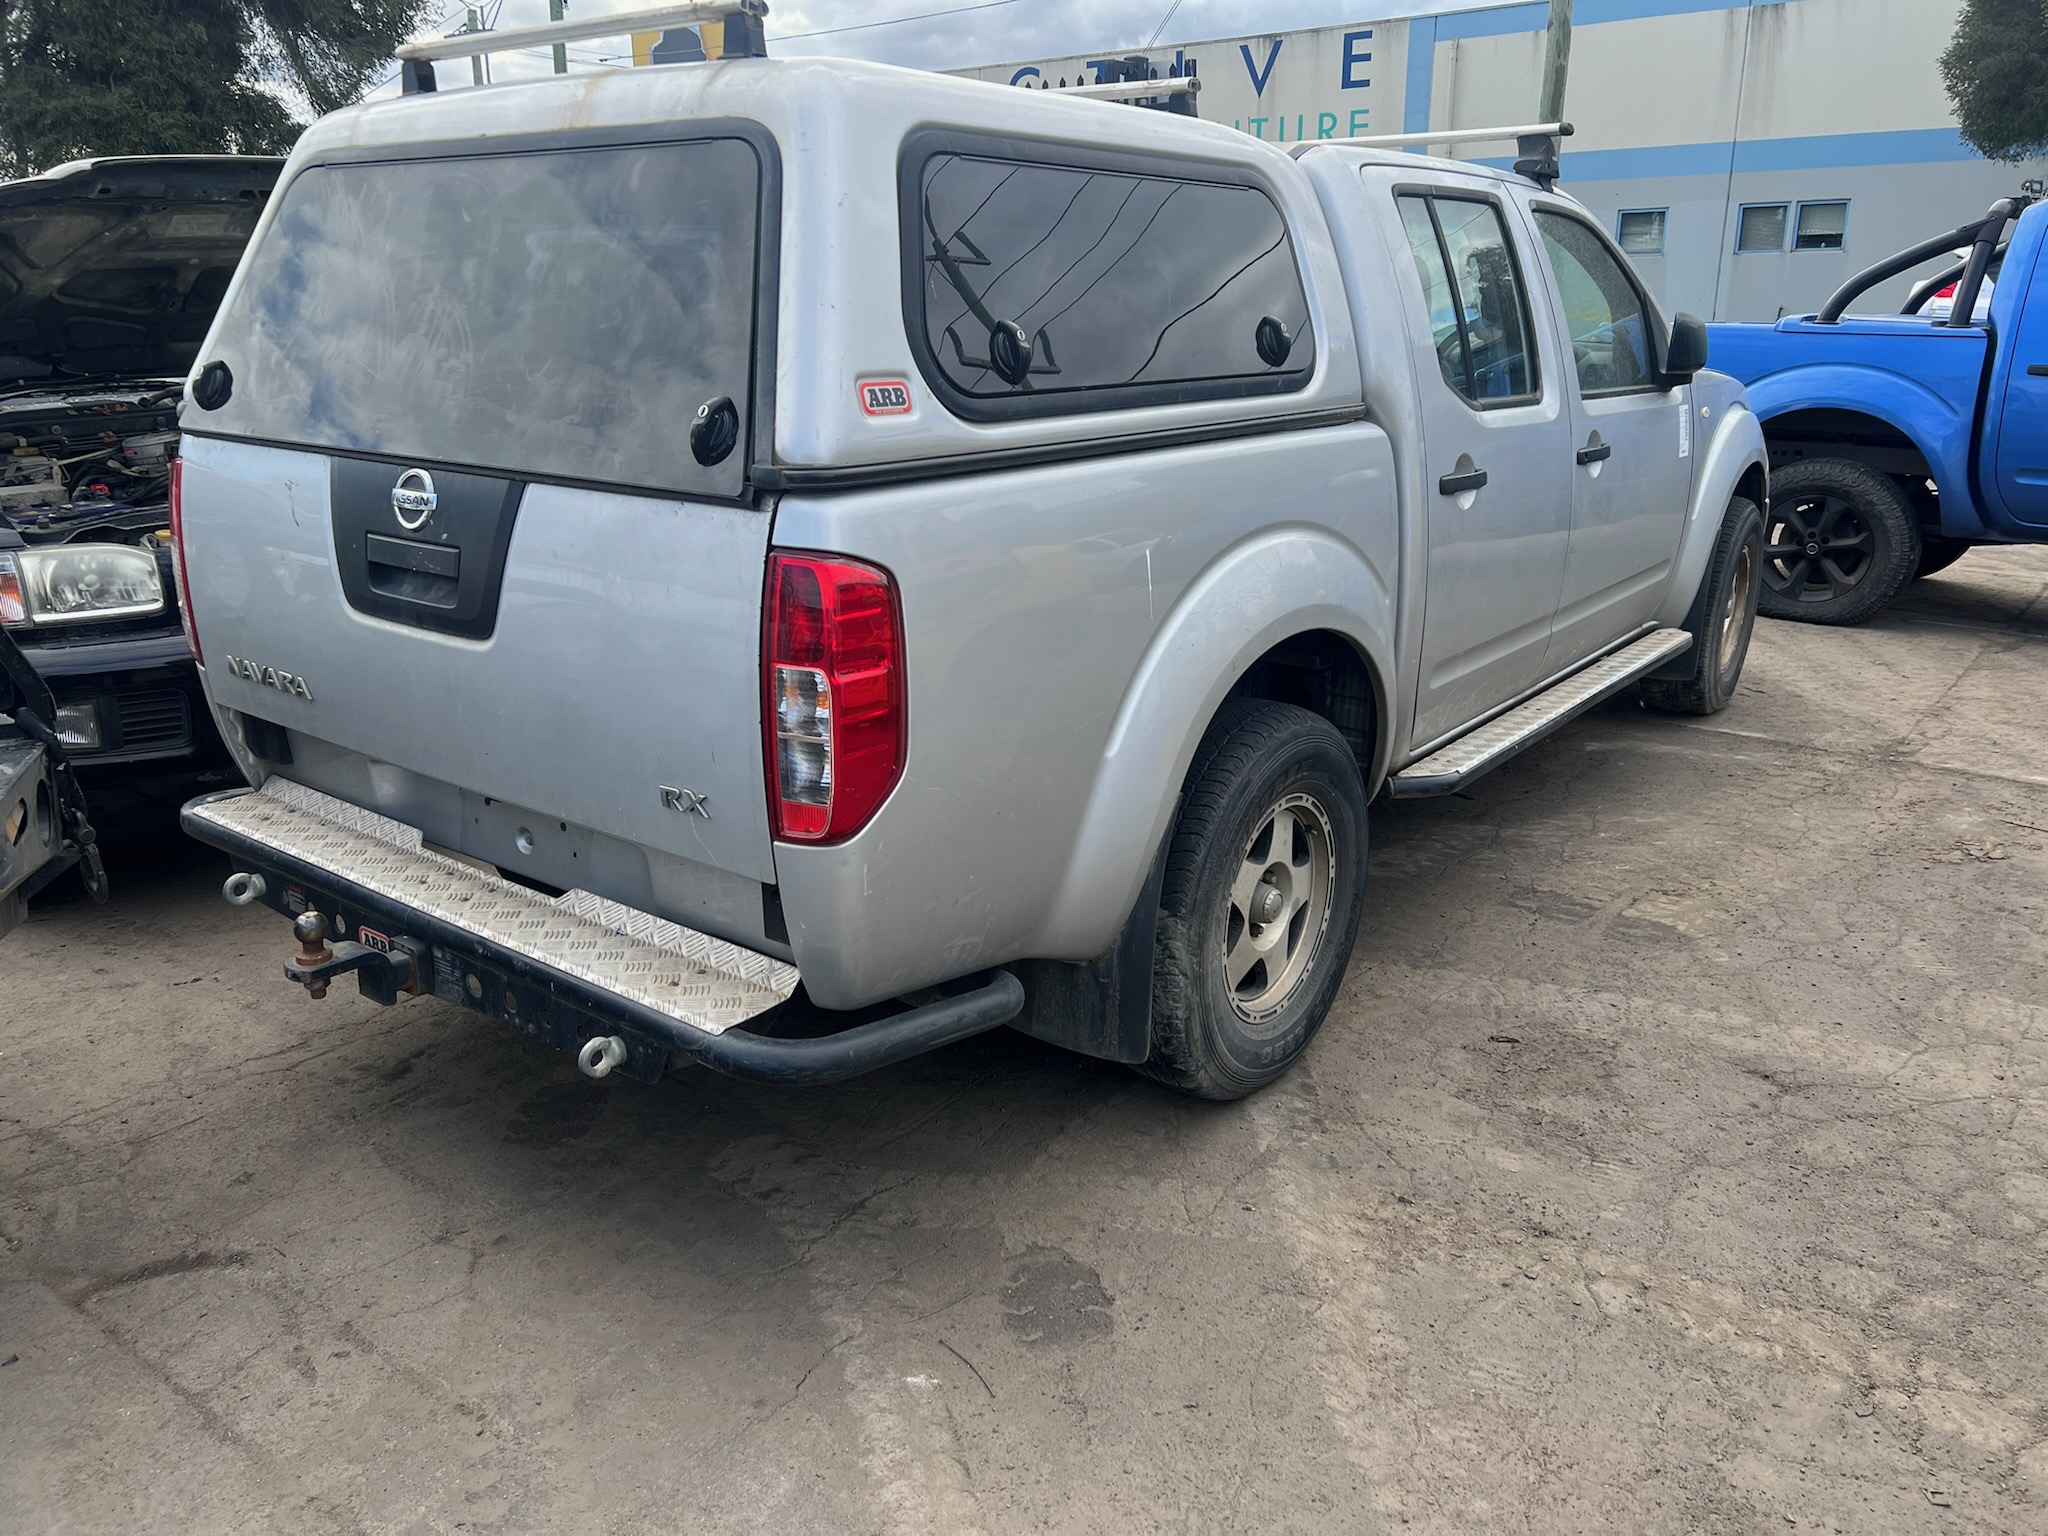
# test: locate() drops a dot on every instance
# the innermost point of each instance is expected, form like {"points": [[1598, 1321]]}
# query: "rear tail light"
{"points": [[178, 558], [832, 671]]}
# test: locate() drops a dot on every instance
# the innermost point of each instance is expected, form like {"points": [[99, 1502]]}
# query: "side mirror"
{"points": [[1685, 354]]}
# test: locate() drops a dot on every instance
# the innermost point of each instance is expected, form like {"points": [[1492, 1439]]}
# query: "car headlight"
{"points": [[71, 583]]}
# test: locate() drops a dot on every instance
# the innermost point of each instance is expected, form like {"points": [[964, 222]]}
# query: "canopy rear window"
{"points": [[559, 314]]}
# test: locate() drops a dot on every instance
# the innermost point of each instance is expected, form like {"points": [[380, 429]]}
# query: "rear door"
{"points": [[452, 526], [1497, 455], [2023, 421], [1631, 442]]}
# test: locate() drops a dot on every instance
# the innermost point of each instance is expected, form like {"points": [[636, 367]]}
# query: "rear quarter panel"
{"points": [[1070, 630]]}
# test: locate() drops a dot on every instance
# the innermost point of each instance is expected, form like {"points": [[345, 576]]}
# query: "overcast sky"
{"points": [[988, 34]]}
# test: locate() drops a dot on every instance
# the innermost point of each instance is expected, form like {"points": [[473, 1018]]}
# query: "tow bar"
{"points": [[383, 976]]}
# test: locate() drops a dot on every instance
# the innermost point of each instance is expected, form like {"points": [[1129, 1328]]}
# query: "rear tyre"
{"points": [[1722, 619], [1839, 542], [1259, 909], [1938, 554]]}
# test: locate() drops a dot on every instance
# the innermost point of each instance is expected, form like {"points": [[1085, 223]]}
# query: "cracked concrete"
{"points": [[1676, 1159]]}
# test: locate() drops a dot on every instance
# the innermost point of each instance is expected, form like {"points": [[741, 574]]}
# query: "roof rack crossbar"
{"points": [[1536, 145], [1462, 136], [1131, 90], [742, 20]]}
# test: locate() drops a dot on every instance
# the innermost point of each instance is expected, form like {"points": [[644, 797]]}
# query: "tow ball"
{"points": [[382, 975]]}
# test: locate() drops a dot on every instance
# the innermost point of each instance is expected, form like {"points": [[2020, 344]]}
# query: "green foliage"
{"points": [[148, 77], [1996, 71]]}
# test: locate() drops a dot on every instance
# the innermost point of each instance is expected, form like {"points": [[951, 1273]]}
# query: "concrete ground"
{"points": [[1676, 1159]]}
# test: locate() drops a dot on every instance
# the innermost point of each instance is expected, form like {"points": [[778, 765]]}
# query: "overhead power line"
{"points": [[893, 21], [1162, 23]]}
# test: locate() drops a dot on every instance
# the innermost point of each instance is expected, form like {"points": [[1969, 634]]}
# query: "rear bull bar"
{"points": [[619, 988]]}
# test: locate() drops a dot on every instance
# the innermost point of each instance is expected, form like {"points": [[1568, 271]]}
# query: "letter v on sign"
{"points": [[1260, 76]]}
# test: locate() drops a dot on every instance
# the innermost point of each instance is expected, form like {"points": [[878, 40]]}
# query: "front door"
{"points": [[1497, 463], [2023, 427], [1631, 445]]}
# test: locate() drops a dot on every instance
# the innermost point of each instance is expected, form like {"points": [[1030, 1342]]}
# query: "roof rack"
{"points": [[1535, 143], [1136, 80], [1131, 90], [745, 37]]}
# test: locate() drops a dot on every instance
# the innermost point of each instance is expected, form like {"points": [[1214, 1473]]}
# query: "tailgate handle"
{"points": [[410, 555], [429, 575]]}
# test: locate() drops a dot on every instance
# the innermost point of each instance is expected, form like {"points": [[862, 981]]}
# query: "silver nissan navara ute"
{"points": [[659, 539]]}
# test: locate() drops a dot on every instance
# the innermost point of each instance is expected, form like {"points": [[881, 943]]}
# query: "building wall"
{"points": [[1696, 107]]}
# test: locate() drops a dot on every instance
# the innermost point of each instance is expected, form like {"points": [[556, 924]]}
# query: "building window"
{"points": [[1762, 227], [1641, 232], [1821, 226]]}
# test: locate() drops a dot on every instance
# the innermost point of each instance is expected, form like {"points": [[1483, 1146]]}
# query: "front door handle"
{"points": [[2037, 370], [1458, 485], [1596, 455]]}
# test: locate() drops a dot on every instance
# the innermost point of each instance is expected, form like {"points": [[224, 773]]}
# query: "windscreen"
{"points": [[560, 314]]}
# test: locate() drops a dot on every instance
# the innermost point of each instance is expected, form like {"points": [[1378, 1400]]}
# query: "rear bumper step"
{"points": [[566, 969], [1451, 768]]}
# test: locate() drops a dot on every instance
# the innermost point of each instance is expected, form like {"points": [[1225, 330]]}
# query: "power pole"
{"points": [[473, 21], [1557, 62], [555, 9]]}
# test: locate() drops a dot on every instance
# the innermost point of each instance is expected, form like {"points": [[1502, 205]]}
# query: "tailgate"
{"points": [[623, 657], [443, 506]]}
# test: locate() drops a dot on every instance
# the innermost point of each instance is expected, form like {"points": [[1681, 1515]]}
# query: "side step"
{"points": [[1452, 767]]}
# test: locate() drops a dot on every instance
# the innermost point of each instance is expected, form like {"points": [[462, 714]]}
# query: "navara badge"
{"points": [[413, 499]]}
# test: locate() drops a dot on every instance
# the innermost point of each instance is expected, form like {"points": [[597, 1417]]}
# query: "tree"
{"points": [[1996, 71], [146, 77]]}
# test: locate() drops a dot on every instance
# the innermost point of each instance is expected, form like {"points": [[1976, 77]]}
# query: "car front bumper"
{"points": [[567, 969], [143, 695]]}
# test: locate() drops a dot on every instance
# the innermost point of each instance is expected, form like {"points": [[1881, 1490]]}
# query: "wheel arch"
{"points": [[1895, 423], [1294, 614], [1733, 462]]}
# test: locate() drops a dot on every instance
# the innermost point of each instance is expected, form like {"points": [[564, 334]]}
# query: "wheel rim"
{"points": [[1820, 548], [1280, 903], [1741, 601]]}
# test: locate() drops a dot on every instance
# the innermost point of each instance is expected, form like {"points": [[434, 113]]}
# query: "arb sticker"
{"points": [[885, 397]]}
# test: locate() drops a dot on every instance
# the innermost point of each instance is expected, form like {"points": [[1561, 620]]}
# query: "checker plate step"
{"points": [[693, 978], [1452, 767]]}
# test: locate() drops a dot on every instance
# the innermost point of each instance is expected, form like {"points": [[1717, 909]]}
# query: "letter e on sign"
{"points": [[885, 397]]}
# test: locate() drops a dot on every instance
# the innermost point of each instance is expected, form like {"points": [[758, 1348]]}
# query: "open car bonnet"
{"points": [[114, 267]]}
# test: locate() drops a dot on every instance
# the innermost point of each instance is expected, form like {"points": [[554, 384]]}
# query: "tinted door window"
{"points": [[1048, 288], [1605, 314], [1470, 280], [561, 314]]}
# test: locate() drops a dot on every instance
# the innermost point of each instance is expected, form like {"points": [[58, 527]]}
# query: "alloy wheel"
{"points": [[1280, 904], [1818, 548], [1741, 603]]}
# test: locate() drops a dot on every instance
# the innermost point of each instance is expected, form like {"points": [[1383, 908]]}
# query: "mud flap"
{"points": [[1101, 1007]]}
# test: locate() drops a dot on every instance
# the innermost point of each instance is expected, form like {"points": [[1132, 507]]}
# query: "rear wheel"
{"points": [[1259, 909], [1722, 619], [1938, 554], [1840, 540]]}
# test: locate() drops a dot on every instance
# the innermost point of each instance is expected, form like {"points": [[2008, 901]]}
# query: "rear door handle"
{"points": [[1596, 455], [1458, 485], [2037, 370]]}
